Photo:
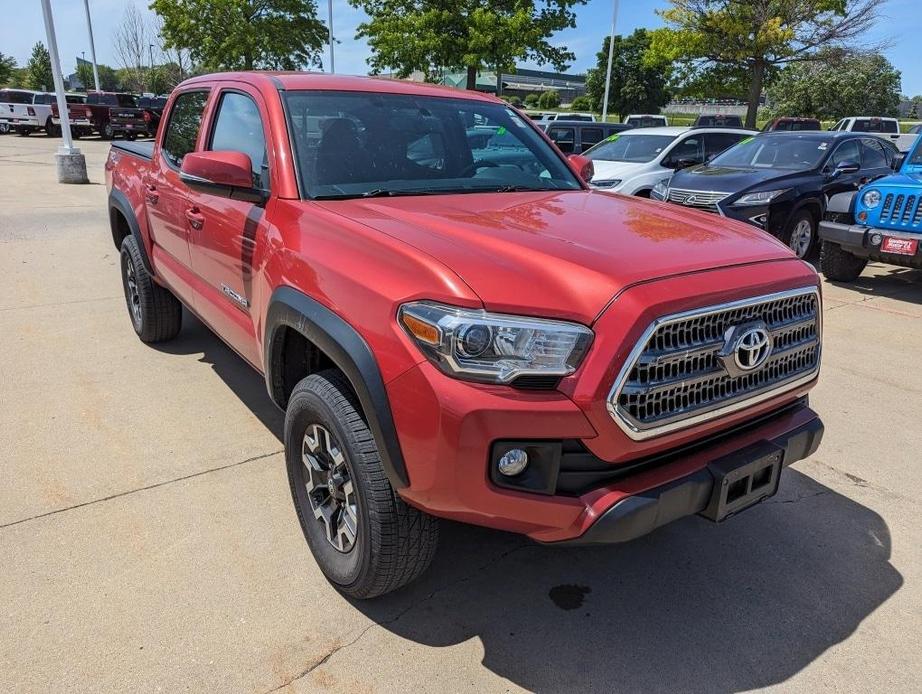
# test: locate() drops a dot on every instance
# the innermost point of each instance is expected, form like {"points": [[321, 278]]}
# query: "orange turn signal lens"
{"points": [[862, 216], [421, 330]]}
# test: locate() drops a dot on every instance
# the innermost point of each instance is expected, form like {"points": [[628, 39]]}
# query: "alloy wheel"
{"points": [[134, 298], [801, 238], [329, 487]]}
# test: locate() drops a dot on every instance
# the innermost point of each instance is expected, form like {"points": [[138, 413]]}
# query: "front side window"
{"points": [[630, 147], [689, 149], [847, 151], [239, 128], [353, 144], [182, 130], [715, 143]]}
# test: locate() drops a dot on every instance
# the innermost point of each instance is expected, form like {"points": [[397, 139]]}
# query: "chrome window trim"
{"points": [[638, 434]]}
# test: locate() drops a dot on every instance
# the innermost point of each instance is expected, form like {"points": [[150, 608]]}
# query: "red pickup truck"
{"points": [[457, 326]]}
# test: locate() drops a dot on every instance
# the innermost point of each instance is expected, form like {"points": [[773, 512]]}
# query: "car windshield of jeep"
{"points": [[369, 144], [783, 151]]}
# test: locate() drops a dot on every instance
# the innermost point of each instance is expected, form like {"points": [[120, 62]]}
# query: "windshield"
{"points": [[630, 147], [354, 144], [774, 152], [126, 100]]}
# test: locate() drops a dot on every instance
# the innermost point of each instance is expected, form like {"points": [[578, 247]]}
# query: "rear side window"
{"points": [[239, 128], [590, 136], [44, 99], [564, 138], [182, 130]]}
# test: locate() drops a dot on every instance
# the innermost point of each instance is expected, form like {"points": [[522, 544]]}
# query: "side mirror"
{"points": [[582, 166], [897, 162], [226, 174], [845, 167]]}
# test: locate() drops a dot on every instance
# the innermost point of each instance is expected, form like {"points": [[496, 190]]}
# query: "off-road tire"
{"points": [[394, 542], [156, 315], [52, 130], [838, 264], [797, 218]]}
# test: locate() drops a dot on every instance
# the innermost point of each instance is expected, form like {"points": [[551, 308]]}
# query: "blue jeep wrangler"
{"points": [[882, 222]]}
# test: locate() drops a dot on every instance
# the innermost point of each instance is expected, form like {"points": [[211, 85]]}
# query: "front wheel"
{"points": [[365, 538], [838, 264], [800, 234], [52, 130]]}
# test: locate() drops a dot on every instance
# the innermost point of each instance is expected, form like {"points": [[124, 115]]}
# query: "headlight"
{"points": [[871, 199], [762, 198], [660, 190], [493, 347], [606, 183]]}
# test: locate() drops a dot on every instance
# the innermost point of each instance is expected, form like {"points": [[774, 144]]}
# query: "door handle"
{"points": [[151, 194], [195, 217]]}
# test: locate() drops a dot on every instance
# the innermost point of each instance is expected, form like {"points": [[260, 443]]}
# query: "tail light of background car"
{"points": [[147, 116]]}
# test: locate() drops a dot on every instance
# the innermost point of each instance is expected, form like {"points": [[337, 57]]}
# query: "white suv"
{"points": [[634, 161]]}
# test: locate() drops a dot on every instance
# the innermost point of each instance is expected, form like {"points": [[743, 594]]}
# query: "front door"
{"points": [[226, 233], [166, 195]]}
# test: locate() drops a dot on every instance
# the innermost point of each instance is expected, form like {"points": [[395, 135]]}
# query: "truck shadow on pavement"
{"points": [[695, 607], [898, 283]]}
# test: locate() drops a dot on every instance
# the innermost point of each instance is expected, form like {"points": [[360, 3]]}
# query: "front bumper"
{"points": [[860, 241], [640, 514], [449, 432]]}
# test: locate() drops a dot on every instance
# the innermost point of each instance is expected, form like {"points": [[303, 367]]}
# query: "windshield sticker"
{"points": [[744, 141], [823, 145], [611, 138], [501, 130], [514, 117]]}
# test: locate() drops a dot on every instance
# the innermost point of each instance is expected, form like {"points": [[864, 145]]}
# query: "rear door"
{"points": [[166, 196], [226, 232]]}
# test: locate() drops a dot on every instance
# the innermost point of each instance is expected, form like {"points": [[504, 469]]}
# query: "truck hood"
{"points": [[561, 254]]}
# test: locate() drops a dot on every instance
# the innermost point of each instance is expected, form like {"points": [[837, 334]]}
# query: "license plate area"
{"points": [[899, 246], [743, 478]]}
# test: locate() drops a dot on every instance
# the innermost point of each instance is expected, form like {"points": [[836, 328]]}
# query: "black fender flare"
{"points": [[118, 202], [350, 353]]}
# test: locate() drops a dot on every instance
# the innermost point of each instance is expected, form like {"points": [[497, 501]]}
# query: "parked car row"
{"points": [[110, 114]]}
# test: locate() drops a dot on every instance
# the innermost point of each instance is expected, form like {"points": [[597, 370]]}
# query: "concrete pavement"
{"points": [[148, 542]]}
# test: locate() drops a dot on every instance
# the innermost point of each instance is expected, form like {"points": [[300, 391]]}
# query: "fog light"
{"points": [[876, 239], [512, 462]]}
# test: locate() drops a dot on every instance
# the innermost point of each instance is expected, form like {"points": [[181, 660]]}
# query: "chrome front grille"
{"points": [[680, 372], [706, 199]]}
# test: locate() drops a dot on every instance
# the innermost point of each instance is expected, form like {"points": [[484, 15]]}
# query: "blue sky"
{"points": [[21, 28]]}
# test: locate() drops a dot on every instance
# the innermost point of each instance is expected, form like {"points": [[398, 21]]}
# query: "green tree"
{"points": [[582, 103], [636, 86], [514, 100], [747, 41], [39, 69], [549, 99], [435, 35], [244, 34], [838, 85], [531, 100], [7, 66]]}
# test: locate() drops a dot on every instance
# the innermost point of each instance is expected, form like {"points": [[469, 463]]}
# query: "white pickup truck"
{"points": [[886, 128], [26, 111]]}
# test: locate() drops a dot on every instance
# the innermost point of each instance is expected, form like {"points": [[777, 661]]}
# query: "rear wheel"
{"points": [[23, 132], [800, 234], [838, 264], [365, 538], [107, 132], [52, 130], [156, 315]]}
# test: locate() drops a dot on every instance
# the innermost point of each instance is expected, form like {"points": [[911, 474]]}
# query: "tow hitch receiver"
{"points": [[743, 479]]}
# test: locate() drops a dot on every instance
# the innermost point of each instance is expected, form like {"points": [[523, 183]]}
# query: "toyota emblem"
{"points": [[746, 348]]}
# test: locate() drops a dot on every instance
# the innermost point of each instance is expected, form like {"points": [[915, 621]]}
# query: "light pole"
{"points": [[150, 50], [611, 54], [71, 165], [89, 28], [330, 26]]}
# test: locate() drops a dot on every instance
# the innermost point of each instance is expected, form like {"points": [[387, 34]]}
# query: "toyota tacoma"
{"points": [[459, 327]]}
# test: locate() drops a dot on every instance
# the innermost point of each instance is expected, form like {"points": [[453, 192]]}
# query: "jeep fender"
{"points": [[841, 203], [118, 202], [350, 353]]}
